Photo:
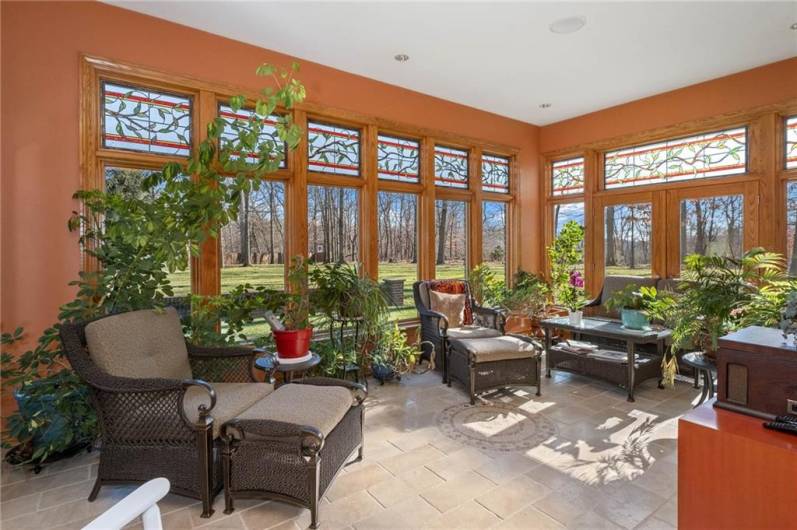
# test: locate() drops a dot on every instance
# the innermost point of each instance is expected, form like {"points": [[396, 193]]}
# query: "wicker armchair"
{"points": [[154, 422], [435, 327]]}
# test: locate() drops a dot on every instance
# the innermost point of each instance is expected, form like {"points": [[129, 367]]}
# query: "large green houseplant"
{"points": [[565, 254], [137, 237]]}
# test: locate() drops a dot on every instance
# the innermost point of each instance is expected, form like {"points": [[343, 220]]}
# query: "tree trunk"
{"points": [[441, 233], [611, 259], [244, 224]]}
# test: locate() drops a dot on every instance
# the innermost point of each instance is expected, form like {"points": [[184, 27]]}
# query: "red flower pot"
{"points": [[293, 343]]}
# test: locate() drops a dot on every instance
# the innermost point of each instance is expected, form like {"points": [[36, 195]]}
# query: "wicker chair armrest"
{"points": [[595, 302], [442, 320], [358, 390], [195, 350], [204, 410], [276, 435]]}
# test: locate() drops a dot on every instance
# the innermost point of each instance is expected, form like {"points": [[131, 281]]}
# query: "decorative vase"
{"points": [[634, 319], [294, 343], [575, 318]]}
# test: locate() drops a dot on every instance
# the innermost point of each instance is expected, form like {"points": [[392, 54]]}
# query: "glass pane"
{"points": [[253, 246], [398, 158], [450, 167], [495, 174], [128, 182], [398, 250], [567, 176], [704, 155], [332, 221], [791, 227], [236, 123], [494, 245], [791, 142], [563, 213], [333, 149], [712, 226], [627, 239], [139, 119], [451, 222]]}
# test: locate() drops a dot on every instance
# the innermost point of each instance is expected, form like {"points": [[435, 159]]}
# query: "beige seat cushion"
{"points": [[451, 305], [140, 344], [472, 332], [231, 400], [321, 407], [495, 348]]}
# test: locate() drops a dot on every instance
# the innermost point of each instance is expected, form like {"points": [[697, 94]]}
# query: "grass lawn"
{"points": [[620, 270]]}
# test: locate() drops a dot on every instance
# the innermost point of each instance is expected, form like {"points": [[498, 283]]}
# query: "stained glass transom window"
{"points": [[237, 124], [140, 119], [495, 174], [791, 142], [398, 158], [712, 154], [567, 176], [333, 149], [450, 167]]}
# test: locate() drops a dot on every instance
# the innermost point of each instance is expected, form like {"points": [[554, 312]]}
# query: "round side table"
{"points": [[269, 363], [707, 367]]}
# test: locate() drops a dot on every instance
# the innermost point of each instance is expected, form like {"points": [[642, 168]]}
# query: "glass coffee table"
{"points": [[617, 361]]}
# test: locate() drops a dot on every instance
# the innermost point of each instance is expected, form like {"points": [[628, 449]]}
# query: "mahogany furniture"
{"points": [[733, 473], [757, 373]]}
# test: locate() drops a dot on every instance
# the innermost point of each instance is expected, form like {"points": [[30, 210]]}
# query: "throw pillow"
{"points": [[451, 305]]}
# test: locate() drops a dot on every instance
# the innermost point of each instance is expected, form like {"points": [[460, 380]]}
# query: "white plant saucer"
{"points": [[296, 360]]}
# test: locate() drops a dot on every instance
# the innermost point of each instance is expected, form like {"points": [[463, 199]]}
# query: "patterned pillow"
{"points": [[454, 287]]}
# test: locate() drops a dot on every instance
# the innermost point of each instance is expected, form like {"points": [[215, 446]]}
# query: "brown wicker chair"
{"points": [[161, 425], [435, 328]]}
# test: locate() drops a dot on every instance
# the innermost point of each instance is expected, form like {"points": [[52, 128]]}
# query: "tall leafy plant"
{"points": [[564, 255], [136, 238]]}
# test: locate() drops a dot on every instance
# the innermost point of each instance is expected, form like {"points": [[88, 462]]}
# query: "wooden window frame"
{"points": [[206, 97]]}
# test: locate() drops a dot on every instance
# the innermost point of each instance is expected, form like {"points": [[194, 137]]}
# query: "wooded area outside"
{"points": [[712, 226], [627, 235], [256, 239], [451, 221], [791, 226], [494, 235], [332, 224]]}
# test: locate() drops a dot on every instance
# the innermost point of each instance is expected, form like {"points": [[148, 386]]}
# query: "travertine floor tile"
{"points": [[456, 491], [511, 497], [411, 459], [529, 518], [410, 513], [358, 480]]}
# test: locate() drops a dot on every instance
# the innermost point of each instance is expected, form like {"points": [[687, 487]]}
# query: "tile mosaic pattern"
{"points": [[609, 464]]}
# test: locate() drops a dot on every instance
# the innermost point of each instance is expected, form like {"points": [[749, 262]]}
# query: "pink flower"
{"points": [[576, 280]]}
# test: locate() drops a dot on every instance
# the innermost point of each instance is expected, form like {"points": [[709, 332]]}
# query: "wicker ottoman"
{"points": [[496, 362], [292, 444]]}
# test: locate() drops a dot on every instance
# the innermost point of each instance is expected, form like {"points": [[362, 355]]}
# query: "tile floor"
{"points": [[612, 465]]}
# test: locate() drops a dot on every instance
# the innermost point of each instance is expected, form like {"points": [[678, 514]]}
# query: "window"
{"points": [[129, 183], [333, 149], [791, 227], [398, 250], [237, 123], [140, 119], [494, 237], [705, 155], [712, 226], [253, 246], [495, 174], [332, 224], [451, 229], [562, 213], [450, 167], [791, 142], [627, 239], [567, 176], [398, 158]]}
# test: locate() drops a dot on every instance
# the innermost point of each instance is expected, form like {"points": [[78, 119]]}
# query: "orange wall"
{"points": [[772, 83], [41, 45]]}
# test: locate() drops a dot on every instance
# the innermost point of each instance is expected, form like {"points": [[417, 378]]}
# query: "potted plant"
{"points": [[564, 255], [392, 356], [484, 286], [526, 302], [633, 302], [292, 340], [339, 293]]}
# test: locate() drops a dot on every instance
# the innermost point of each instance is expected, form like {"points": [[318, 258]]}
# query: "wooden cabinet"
{"points": [[733, 473]]}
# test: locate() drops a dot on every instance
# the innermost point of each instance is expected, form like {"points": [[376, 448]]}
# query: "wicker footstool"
{"points": [[291, 445], [496, 362]]}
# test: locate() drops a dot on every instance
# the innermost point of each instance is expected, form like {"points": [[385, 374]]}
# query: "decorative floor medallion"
{"points": [[497, 426]]}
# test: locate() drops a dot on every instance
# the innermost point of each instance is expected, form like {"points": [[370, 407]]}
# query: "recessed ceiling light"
{"points": [[794, 26], [545, 105], [568, 25], [401, 57]]}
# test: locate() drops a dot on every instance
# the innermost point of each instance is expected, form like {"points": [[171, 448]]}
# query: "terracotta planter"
{"points": [[293, 343], [518, 324]]}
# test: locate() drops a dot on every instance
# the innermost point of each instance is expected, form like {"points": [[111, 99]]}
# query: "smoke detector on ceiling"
{"points": [[545, 105], [568, 25], [401, 57]]}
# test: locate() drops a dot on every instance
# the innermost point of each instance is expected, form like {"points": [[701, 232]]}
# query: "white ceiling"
{"points": [[501, 57]]}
